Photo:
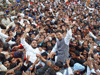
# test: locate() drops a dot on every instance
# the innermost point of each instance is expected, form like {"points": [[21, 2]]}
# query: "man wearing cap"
{"points": [[5, 21], [77, 68]]}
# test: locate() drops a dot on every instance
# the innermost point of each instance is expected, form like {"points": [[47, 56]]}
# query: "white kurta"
{"points": [[30, 51]]}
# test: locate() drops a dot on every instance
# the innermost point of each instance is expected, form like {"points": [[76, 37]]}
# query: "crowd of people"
{"points": [[49, 37]]}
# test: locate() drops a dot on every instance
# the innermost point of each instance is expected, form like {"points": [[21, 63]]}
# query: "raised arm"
{"points": [[68, 36], [92, 35], [53, 52], [69, 31], [23, 42]]}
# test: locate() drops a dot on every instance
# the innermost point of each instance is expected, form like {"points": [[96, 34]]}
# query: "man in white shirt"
{"points": [[5, 37], [20, 20], [13, 24], [5, 21], [31, 50]]}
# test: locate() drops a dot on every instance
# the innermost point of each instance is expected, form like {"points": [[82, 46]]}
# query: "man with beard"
{"points": [[31, 50]]}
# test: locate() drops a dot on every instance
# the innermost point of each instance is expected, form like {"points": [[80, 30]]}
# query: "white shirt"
{"points": [[92, 35], [7, 1], [5, 22], [2, 68], [59, 73], [21, 21], [11, 24], [66, 39], [3, 37], [30, 51], [68, 71]]}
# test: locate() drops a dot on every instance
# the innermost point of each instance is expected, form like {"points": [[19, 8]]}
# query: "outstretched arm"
{"points": [[23, 42], [69, 32]]}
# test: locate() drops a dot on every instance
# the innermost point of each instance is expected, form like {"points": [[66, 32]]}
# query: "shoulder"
{"points": [[59, 73]]}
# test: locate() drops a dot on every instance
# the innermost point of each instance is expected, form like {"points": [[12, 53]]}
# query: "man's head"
{"points": [[15, 20], [10, 33], [58, 66], [26, 16], [34, 43], [19, 17], [44, 55], [78, 68], [6, 47], [2, 57], [75, 54], [12, 60], [6, 63], [59, 34]]}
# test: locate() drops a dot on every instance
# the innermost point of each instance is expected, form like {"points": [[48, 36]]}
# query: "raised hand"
{"points": [[38, 55], [27, 29], [51, 55], [66, 19]]}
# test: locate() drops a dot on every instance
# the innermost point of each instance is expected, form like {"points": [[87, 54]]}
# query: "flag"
{"points": [[88, 2]]}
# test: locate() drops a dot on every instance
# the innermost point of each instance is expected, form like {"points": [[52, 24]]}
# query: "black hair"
{"points": [[44, 45], [58, 31], [29, 40], [33, 13], [49, 48], [72, 62], [44, 54], [18, 24], [18, 16], [9, 30], [2, 56], [12, 65], [49, 41], [9, 59], [59, 64], [77, 53], [19, 27], [2, 26], [4, 61], [5, 47], [26, 14]]}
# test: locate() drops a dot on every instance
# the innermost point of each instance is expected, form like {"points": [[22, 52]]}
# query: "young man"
{"points": [[31, 50], [62, 46]]}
